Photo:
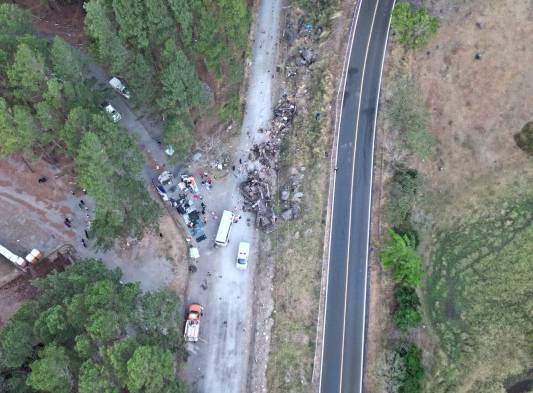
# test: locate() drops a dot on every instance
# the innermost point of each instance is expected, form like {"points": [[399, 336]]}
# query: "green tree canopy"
{"points": [[88, 332], [67, 63], [179, 134], [14, 23], [51, 373], [150, 370], [27, 75]]}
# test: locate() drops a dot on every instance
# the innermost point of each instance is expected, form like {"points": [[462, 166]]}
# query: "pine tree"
{"points": [[27, 75]]}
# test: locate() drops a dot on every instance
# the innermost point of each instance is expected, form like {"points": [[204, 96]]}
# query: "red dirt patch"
{"points": [[65, 21], [16, 292]]}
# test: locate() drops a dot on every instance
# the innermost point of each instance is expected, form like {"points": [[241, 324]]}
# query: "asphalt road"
{"points": [[345, 319]]}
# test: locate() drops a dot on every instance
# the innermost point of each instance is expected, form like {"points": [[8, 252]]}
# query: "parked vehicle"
{"points": [[112, 111], [242, 255], [22, 263], [119, 87], [160, 190], [224, 229], [192, 324]]}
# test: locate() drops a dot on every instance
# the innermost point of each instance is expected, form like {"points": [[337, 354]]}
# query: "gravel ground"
{"points": [[33, 214], [219, 362]]}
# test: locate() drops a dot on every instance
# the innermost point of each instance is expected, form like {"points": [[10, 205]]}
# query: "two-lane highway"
{"points": [[345, 305]]}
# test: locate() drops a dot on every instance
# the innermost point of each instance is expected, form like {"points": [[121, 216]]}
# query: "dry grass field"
{"points": [[474, 214]]}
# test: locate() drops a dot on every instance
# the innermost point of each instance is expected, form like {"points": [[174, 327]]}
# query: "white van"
{"points": [[242, 256], [224, 228]]}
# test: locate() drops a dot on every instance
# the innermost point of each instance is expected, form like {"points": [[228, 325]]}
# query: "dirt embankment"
{"points": [[287, 311]]}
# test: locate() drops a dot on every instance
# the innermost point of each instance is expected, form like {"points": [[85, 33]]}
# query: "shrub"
{"points": [[413, 26], [399, 254], [406, 315], [402, 190], [411, 380], [524, 139], [407, 113]]}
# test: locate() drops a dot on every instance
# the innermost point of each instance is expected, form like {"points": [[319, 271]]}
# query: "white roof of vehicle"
{"points": [[225, 224], [12, 257], [115, 82], [194, 253], [244, 249]]}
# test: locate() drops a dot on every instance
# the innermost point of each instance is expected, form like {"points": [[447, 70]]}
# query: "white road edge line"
{"points": [[347, 58], [351, 206], [371, 180]]}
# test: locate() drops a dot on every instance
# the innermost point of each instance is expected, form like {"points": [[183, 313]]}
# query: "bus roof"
{"points": [[223, 229]]}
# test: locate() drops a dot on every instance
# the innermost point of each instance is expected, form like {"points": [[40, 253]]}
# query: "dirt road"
{"points": [[219, 362]]}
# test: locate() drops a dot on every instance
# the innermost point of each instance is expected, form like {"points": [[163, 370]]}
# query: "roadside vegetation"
{"points": [[298, 245], [87, 332], [408, 114], [158, 47], [465, 325], [401, 368], [399, 254], [47, 106], [413, 26]]}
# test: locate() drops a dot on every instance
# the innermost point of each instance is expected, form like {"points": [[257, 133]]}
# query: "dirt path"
{"points": [[219, 362]]}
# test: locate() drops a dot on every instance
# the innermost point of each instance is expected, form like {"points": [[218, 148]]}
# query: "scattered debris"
{"points": [[307, 56], [177, 194], [259, 188]]}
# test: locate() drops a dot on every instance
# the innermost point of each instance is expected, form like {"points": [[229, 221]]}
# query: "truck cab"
{"points": [[192, 323]]}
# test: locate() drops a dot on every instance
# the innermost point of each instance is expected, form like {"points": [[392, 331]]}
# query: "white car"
{"points": [[242, 256], [119, 87], [112, 111]]}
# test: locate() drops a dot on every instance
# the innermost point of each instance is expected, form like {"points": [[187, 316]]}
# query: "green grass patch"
{"points": [[479, 296]]}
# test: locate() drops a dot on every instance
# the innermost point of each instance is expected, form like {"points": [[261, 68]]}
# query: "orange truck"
{"points": [[192, 324]]}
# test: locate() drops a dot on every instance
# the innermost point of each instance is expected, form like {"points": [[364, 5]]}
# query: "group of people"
{"points": [[68, 221], [206, 180]]}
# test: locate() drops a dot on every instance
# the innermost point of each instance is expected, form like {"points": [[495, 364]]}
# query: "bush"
{"points": [[402, 191], [399, 254], [413, 26], [524, 139], [411, 380], [407, 113], [407, 314]]}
